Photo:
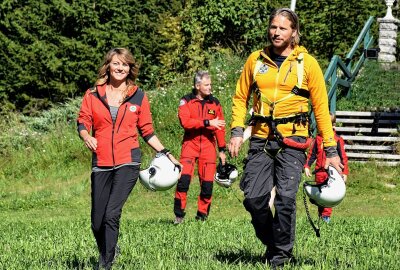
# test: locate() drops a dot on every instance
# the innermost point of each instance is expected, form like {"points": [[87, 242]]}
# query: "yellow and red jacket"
{"points": [[117, 143], [276, 84]]}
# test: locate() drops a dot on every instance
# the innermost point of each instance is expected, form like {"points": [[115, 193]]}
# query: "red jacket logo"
{"points": [[211, 112], [132, 108]]}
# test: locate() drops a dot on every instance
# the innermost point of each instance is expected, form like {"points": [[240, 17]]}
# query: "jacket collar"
{"points": [[266, 52]]}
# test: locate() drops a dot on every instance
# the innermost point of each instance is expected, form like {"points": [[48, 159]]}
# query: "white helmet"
{"points": [[161, 175], [226, 174], [329, 193]]}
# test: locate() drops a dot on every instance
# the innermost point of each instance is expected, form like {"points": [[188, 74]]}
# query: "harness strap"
{"points": [[296, 91], [273, 123], [315, 228]]}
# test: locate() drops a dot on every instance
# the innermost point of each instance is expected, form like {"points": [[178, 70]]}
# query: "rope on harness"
{"points": [[316, 229]]}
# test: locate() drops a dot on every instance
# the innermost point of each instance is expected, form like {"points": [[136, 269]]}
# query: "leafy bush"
{"points": [[51, 49]]}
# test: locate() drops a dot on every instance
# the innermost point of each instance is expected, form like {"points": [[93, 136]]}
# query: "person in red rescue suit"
{"points": [[202, 118], [317, 155], [112, 116], [281, 78]]}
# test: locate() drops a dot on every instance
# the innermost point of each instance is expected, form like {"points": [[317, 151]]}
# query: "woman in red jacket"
{"points": [[112, 115], [317, 154]]}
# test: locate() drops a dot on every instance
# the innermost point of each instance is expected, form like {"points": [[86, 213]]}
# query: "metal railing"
{"points": [[341, 74]]}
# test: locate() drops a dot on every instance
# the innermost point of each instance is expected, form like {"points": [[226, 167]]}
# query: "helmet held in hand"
{"points": [[329, 193], [161, 175], [226, 174]]}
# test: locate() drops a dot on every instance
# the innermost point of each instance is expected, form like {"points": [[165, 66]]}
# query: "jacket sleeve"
{"points": [[145, 121], [242, 94], [220, 133], [85, 115], [319, 101], [184, 117], [312, 155], [343, 155]]}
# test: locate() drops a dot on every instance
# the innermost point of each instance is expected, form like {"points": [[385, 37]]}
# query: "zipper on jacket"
{"points": [[202, 104], [123, 116], [287, 73]]}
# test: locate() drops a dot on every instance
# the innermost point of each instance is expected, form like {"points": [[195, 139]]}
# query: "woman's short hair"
{"points": [[126, 56], [292, 17]]}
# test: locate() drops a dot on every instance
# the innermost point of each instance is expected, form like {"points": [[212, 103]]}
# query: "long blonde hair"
{"points": [[125, 55], [292, 17]]}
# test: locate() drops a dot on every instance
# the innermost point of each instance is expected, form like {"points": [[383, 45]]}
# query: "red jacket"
{"points": [[317, 153], [194, 116], [116, 143]]}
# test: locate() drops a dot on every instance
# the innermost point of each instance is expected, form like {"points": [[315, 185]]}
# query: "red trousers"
{"points": [[205, 156], [319, 178]]}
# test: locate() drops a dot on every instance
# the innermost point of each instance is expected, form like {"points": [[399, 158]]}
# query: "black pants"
{"points": [[269, 165], [110, 190]]}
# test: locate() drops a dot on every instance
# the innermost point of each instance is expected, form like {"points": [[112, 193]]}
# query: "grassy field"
{"points": [[45, 203]]}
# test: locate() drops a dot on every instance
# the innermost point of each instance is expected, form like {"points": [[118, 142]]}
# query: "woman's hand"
{"points": [[90, 142], [176, 162]]}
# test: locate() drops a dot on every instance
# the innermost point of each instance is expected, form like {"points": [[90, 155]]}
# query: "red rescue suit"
{"points": [[199, 144], [317, 154]]}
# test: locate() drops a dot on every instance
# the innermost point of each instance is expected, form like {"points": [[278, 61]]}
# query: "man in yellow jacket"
{"points": [[280, 79]]}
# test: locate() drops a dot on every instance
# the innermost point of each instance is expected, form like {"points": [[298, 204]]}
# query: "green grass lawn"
{"points": [[45, 203]]}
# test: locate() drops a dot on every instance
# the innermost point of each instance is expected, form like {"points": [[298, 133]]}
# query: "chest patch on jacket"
{"points": [[263, 69], [211, 112], [132, 108]]}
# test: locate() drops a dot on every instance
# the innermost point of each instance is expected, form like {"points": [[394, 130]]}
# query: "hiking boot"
{"points": [[178, 220], [201, 218], [326, 219], [267, 257], [280, 264], [100, 264]]}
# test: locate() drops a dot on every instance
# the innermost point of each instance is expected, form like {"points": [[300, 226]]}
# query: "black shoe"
{"points": [[280, 264], [178, 220], [201, 217], [267, 257]]}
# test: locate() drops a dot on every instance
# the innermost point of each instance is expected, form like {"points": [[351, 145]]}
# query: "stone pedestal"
{"points": [[387, 39]]}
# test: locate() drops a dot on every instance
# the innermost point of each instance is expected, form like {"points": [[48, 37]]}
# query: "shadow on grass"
{"points": [[79, 263], [237, 257]]}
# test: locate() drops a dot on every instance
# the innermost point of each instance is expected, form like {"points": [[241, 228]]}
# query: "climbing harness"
{"points": [[271, 121]]}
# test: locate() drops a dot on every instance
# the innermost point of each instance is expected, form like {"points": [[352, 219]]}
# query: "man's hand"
{"points": [[217, 123], [234, 146], [307, 172], [335, 162]]}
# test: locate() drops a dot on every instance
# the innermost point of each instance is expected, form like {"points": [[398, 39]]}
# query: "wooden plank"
{"points": [[369, 147], [367, 114], [382, 163], [363, 129], [373, 156], [370, 138], [365, 121]]}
